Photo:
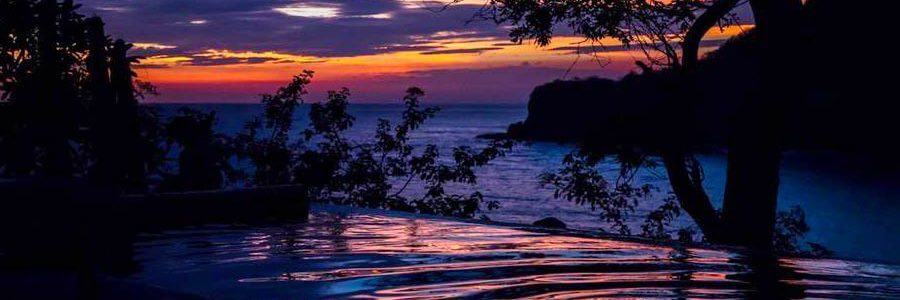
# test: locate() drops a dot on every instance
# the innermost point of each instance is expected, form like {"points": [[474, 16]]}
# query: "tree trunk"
{"points": [[107, 168], [52, 130], [132, 155], [686, 179], [688, 188], [748, 214], [754, 150], [751, 189]]}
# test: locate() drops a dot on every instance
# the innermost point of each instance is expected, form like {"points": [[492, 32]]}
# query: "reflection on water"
{"points": [[369, 255]]}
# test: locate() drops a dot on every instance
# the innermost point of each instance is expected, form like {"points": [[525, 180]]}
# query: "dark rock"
{"points": [[550, 222]]}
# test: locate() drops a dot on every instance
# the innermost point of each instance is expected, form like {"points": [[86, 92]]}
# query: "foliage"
{"points": [[789, 225], [654, 27], [655, 224], [21, 41], [375, 174], [320, 167], [371, 167], [202, 154], [270, 152], [580, 180], [53, 95], [142, 89]]}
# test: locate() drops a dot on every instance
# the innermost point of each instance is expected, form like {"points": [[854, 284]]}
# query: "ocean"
{"points": [[850, 210]]}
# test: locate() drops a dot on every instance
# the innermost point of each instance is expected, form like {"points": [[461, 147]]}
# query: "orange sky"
{"points": [[365, 71], [234, 50], [392, 63]]}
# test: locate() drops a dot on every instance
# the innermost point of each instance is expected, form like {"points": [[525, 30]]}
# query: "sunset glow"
{"points": [[377, 50]]}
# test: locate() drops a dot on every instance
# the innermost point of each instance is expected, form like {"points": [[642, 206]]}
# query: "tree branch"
{"points": [[691, 44]]}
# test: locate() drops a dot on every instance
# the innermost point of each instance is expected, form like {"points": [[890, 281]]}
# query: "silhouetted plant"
{"points": [[580, 181], [379, 174], [657, 220], [653, 27], [789, 225], [265, 140], [375, 174], [325, 151], [203, 155]]}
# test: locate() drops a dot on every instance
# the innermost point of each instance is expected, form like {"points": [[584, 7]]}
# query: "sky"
{"points": [[233, 50]]}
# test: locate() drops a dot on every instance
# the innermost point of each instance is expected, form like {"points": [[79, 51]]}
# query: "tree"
{"points": [[68, 98], [40, 52], [662, 28]]}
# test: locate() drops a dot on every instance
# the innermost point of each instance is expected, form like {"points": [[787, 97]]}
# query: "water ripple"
{"points": [[369, 255]]}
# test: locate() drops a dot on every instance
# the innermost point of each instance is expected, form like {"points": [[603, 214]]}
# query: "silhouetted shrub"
{"points": [[374, 174], [203, 155], [580, 181], [789, 226], [265, 140]]}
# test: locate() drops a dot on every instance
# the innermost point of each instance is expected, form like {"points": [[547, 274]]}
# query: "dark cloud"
{"points": [[367, 7], [150, 66], [215, 61], [156, 52], [198, 7], [393, 48], [362, 27], [460, 51]]}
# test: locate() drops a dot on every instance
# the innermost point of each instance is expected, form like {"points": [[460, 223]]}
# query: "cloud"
{"points": [[213, 57], [460, 51], [152, 46], [310, 10], [325, 28], [159, 61], [216, 61], [150, 66], [398, 47]]}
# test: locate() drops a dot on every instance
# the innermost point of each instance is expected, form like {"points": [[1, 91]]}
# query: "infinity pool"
{"points": [[366, 254]]}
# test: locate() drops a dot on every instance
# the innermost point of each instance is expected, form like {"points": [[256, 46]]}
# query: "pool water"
{"points": [[367, 254]]}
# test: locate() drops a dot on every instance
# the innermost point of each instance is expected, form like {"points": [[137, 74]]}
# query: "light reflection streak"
{"points": [[372, 256]]}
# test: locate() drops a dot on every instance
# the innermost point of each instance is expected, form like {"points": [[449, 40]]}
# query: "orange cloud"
{"points": [[445, 51]]}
